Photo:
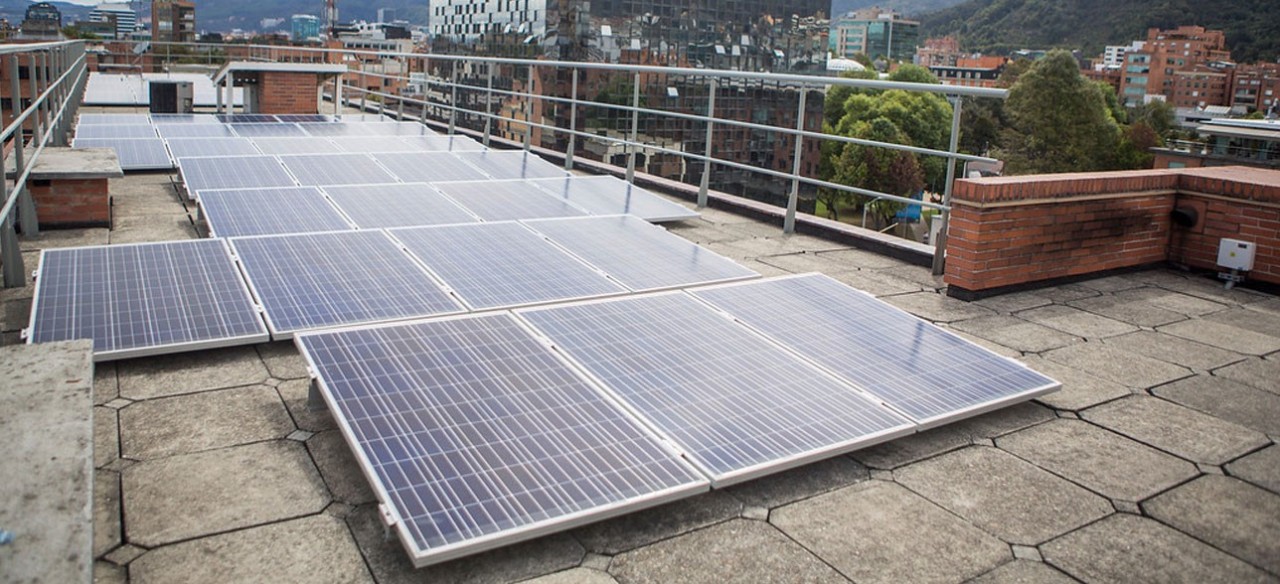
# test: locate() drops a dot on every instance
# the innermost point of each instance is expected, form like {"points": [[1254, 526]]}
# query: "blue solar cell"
{"points": [[494, 265], [113, 119], [276, 211], [512, 164], [184, 119], [248, 118], [606, 195], [397, 205], [419, 167], [639, 255], [144, 299], [133, 153], [276, 130], [232, 172], [392, 128], [737, 404], [476, 435], [304, 118], [375, 144], [336, 169], [442, 143], [506, 200], [321, 280], [916, 367], [307, 145], [169, 131], [194, 147], [115, 132], [339, 129]]}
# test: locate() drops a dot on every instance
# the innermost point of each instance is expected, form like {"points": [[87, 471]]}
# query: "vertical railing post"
{"points": [[35, 92], [940, 246], [488, 104], [10, 251], [635, 128], [453, 99], [793, 199], [705, 185], [573, 122], [337, 95], [404, 70], [231, 92], [528, 110], [19, 143]]}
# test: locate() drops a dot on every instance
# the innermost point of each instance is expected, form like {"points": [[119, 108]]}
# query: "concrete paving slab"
{"points": [[1112, 283], [1141, 312], [702, 232], [106, 386], [194, 495], [140, 228], [799, 263], [724, 553], [912, 448], [106, 436], [294, 392], [283, 360], [1016, 333], [1014, 302], [1176, 429], [937, 307], [876, 283], [575, 576], [1246, 317], [48, 433], [1004, 495], [106, 511], [800, 483], [1176, 350], [1259, 373], [1207, 288], [1224, 336], [153, 200], [614, 536], [338, 468], [1109, 362], [1226, 400], [190, 372], [981, 342], [1080, 390], [765, 270], [390, 565], [108, 573], [1270, 307], [857, 258], [30, 261], [1067, 293], [1101, 461], [880, 532], [311, 549], [59, 238], [912, 273], [1128, 548], [1076, 322], [1003, 421], [202, 421], [1228, 513], [14, 314], [1261, 468], [1024, 572]]}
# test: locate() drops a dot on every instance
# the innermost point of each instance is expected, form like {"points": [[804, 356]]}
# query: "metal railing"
{"points": [[446, 79], [56, 76]]}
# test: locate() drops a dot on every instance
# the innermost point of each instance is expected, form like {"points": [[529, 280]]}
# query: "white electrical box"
{"points": [[1234, 254]]}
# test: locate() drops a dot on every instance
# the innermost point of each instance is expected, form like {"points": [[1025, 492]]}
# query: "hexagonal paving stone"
{"points": [[1128, 548], [1080, 390], [1232, 338], [1119, 366], [1077, 322], [339, 469], [1130, 308], [106, 511], [1170, 427], [1229, 513], [312, 549], [1254, 317], [633, 530], [880, 532], [734, 550], [800, 483], [283, 360], [1006, 496], [1014, 302], [575, 576], [1259, 373], [1228, 400], [106, 386], [140, 228], [1104, 462], [106, 436], [1261, 468], [1016, 333], [857, 258], [190, 372], [202, 421], [192, 495], [938, 307], [1171, 349], [295, 394], [913, 447], [1024, 572]]}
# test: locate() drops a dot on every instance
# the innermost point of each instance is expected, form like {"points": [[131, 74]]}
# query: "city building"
{"points": [[974, 71], [1150, 71], [876, 33], [1200, 86], [1113, 55], [173, 21], [304, 27], [42, 21], [1257, 88], [938, 51], [1228, 142], [124, 17]]}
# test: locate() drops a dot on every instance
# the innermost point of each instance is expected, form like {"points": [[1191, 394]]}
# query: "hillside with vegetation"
{"points": [[909, 8], [999, 26]]}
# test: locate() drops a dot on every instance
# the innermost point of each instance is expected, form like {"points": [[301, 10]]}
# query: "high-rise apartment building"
{"points": [[1257, 88], [1152, 70], [877, 33], [42, 21], [173, 21], [304, 27], [124, 17]]}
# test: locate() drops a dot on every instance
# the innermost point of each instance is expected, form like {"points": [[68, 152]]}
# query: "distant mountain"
{"points": [[909, 8], [15, 10], [1252, 26]]}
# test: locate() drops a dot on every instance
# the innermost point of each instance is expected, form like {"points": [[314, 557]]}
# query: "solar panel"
{"points": [[376, 144], [397, 205], [247, 118], [512, 164], [639, 255], [195, 147], [442, 143], [133, 153], [338, 129], [170, 131], [475, 435], [232, 172], [320, 280], [116, 131], [492, 265], [235, 213], [276, 130], [916, 367], [144, 299], [738, 405], [428, 166], [184, 119], [304, 118], [397, 129], [307, 145], [606, 195], [336, 169], [113, 119], [506, 200]]}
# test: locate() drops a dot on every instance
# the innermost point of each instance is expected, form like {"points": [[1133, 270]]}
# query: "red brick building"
{"points": [[1152, 70]]}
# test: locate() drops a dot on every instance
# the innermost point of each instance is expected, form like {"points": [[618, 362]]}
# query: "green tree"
{"points": [[914, 74], [888, 171], [1058, 121], [833, 105], [1157, 113], [923, 118]]}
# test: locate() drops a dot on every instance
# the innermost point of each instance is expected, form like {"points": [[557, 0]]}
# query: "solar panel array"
{"points": [[245, 212], [133, 153], [506, 200]]}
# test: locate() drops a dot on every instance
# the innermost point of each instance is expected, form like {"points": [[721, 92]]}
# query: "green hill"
{"points": [[997, 26]]}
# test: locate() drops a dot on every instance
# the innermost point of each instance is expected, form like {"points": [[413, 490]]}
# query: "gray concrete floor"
{"points": [[1156, 462]]}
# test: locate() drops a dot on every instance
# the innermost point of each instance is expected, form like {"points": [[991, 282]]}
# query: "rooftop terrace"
{"points": [[1155, 462]]}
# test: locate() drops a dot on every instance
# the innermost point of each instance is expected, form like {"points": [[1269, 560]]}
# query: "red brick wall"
{"points": [[72, 203], [1009, 231], [288, 93]]}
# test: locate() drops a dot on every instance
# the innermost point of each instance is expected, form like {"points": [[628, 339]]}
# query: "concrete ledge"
{"points": [[58, 163], [46, 426]]}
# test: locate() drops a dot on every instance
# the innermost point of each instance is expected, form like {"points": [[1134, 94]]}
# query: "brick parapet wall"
{"points": [[1011, 232], [289, 93], [72, 202]]}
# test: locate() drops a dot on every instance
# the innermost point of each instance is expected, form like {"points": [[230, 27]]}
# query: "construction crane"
{"points": [[331, 17]]}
